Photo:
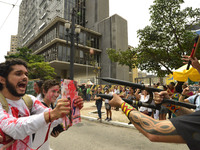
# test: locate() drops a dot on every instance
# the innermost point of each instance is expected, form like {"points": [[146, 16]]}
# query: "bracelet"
{"points": [[49, 115], [126, 108]]}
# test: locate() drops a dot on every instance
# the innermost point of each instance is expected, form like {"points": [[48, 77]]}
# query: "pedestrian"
{"points": [[88, 93], [23, 115], [98, 101], [38, 89], [107, 106]]}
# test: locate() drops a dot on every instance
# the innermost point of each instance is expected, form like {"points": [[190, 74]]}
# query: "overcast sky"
{"points": [[135, 12]]}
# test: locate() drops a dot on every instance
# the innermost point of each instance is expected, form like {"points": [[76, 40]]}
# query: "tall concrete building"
{"points": [[13, 45], [42, 29]]}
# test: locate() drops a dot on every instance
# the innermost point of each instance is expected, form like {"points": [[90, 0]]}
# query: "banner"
{"points": [[69, 90]]}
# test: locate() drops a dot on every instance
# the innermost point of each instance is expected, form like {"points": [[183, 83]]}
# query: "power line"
{"points": [[8, 3], [8, 14]]}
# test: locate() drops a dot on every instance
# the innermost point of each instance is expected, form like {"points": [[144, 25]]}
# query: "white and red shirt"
{"points": [[19, 123]]}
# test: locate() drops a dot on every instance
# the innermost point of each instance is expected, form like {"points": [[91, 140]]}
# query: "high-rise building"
{"points": [[13, 45], [42, 29]]}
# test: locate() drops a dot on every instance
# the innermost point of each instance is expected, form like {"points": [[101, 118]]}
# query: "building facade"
{"points": [[42, 29], [13, 45]]}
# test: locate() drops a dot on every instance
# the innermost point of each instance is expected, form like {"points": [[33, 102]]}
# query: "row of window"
{"points": [[62, 53], [58, 31]]}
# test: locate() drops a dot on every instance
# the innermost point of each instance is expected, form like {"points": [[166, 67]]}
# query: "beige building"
{"points": [[13, 45]]}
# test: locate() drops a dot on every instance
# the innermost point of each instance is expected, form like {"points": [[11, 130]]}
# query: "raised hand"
{"points": [[62, 109], [78, 102]]}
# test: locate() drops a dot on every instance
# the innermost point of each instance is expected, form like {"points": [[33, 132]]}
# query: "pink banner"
{"points": [[69, 90]]}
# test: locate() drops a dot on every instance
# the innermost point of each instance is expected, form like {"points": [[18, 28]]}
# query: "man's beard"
{"points": [[11, 88]]}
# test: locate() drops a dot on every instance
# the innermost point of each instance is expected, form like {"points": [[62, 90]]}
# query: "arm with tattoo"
{"points": [[154, 130]]}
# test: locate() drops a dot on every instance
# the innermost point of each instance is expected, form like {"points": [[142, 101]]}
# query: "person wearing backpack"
{"points": [[23, 116]]}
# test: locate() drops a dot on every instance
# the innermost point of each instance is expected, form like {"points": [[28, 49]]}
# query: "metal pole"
{"points": [[72, 49]]}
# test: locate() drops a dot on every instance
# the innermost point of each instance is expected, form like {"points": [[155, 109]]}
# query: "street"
{"points": [[89, 135]]}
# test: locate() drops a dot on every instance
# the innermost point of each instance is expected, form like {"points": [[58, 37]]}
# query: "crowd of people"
{"points": [[173, 89]]}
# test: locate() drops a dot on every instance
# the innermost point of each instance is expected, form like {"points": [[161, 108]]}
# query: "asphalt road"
{"points": [[89, 135]]}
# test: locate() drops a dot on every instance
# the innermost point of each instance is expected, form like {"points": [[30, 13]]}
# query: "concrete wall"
{"points": [[96, 11], [114, 35]]}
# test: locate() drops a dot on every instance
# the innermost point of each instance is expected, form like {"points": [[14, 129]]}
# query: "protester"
{"points": [[188, 94], [50, 92], [107, 106], [123, 93], [195, 99], [38, 89], [143, 97], [182, 129], [131, 96], [116, 90], [17, 120], [98, 100], [171, 88]]}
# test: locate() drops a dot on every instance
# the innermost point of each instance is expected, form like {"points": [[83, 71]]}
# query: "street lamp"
{"points": [[72, 32]]}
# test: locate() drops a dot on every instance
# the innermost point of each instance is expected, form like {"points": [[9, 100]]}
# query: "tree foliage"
{"points": [[26, 54], [41, 70], [127, 57], [38, 69], [167, 38]]}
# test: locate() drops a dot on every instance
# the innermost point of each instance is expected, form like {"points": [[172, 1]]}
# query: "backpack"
{"points": [[196, 98], [27, 100], [29, 103]]}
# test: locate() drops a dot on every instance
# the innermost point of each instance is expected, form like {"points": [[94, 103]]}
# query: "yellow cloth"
{"points": [[182, 74]]}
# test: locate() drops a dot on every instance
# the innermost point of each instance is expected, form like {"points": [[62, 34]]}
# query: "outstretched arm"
{"points": [[154, 130], [177, 110]]}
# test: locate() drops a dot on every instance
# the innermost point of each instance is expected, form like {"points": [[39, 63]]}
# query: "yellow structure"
{"points": [[182, 74]]}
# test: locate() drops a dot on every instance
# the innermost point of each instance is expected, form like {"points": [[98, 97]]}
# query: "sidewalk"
{"points": [[89, 112]]}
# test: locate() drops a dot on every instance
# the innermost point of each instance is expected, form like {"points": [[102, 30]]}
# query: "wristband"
{"points": [[49, 115], [4, 142], [126, 108], [173, 108]]}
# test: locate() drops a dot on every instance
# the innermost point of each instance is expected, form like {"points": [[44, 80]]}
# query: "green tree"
{"points": [[127, 57], [45, 71], [168, 37], [164, 41], [38, 69], [26, 54]]}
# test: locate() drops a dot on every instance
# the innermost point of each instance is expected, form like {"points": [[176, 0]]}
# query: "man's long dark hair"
{"points": [[6, 67]]}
